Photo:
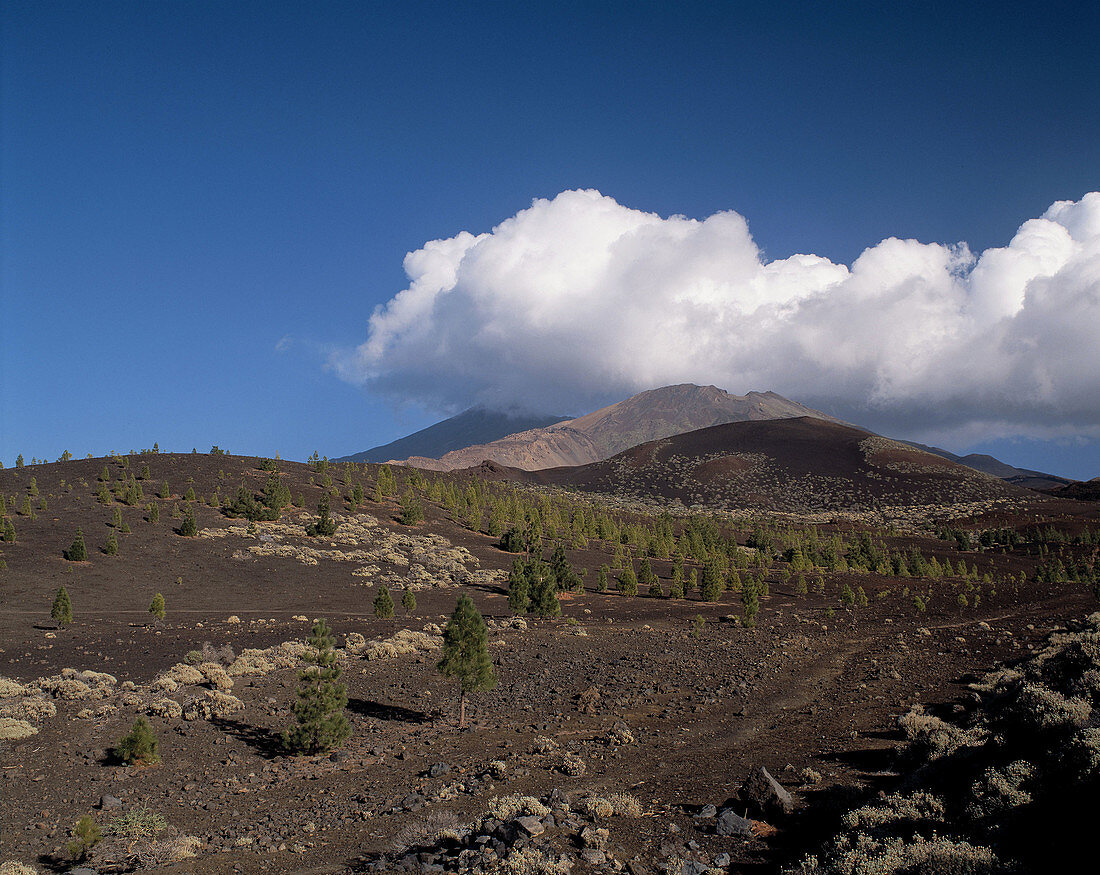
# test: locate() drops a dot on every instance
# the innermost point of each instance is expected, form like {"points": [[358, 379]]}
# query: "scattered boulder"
{"points": [[766, 795], [731, 824]]}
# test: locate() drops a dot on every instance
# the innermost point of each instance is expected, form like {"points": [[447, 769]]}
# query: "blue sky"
{"points": [[203, 203]]}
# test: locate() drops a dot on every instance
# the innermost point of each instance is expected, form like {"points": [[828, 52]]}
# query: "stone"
{"points": [[593, 857], [693, 867], [108, 803], [766, 794], [530, 825], [731, 824], [722, 861], [707, 810], [595, 837], [437, 770]]}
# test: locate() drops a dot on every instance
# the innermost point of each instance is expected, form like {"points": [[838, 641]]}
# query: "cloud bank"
{"points": [[578, 301]]}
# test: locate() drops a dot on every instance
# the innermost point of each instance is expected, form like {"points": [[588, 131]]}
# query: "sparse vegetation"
{"points": [[139, 746]]}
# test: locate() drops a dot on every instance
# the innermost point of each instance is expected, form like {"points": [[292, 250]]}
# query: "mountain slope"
{"points": [[794, 464], [646, 416], [992, 465], [474, 426]]}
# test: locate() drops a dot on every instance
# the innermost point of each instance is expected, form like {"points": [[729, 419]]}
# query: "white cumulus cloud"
{"points": [[578, 301]]}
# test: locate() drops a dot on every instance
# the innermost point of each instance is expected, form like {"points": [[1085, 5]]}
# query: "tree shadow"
{"points": [[264, 741], [380, 711]]}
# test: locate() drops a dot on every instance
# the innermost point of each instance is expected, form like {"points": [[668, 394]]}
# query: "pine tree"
{"points": [[62, 610], [319, 709], [602, 577], [466, 653], [165, 492], [542, 589], [7, 531], [646, 577], [408, 601], [154, 513], [189, 495], [676, 586], [189, 528], [156, 607], [712, 580], [139, 745], [412, 511], [628, 581], [518, 588], [383, 604], [750, 602], [325, 526], [111, 547], [78, 552]]}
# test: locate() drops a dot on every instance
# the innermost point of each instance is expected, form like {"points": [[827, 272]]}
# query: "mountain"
{"points": [[991, 465], [646, 416], [474, 426], [794, 464]]}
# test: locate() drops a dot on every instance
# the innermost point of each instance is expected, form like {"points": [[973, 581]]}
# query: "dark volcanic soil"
{"points": [[674, 712]]}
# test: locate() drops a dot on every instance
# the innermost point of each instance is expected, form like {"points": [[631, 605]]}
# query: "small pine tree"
{"points": [[165, 492], [156, 608], [86, 835], [139, 745], [693, 580], [543, 588], [466, 653], [518, 588], [628, 581], [800, 585], [408, 601], [7, 531], [189, 528], [383, 604], [62, 610], [189, 495], [412, 511], [602, 578], [19, 461], [78, 552], [319, 709], [154, 513], [712, 580], [111, 547], [749, 602], [676, 585], [116, 522], [847, 596], [325, 526]]}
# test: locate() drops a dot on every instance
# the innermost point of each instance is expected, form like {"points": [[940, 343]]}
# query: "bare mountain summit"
{"points": [[647, 416]]}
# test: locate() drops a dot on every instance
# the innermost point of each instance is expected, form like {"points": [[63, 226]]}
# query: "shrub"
{"points": [[139, 746]]}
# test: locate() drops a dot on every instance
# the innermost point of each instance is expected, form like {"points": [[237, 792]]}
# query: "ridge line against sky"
{"points": [[204, 203]]}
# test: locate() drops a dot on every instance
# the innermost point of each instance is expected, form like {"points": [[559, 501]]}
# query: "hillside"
{"points": [[791, 465], [646, 416], [605, 721], [477, 425]]}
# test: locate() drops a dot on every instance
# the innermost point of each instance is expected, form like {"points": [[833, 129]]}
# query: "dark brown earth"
{"points": [[813, 686], [796, 465]]}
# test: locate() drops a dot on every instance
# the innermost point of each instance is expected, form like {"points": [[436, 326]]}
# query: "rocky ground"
{"points": [[619, 736]]}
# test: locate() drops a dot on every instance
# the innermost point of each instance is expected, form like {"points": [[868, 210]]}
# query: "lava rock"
{"points": [[707, 810], [766, 794], [730, 824], [438, 770]]}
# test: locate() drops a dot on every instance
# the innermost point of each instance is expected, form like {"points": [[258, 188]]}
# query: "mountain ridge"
{"points": [[649, 415]]}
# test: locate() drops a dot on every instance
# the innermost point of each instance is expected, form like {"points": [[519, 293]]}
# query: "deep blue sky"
{"points": [[185, 185]]}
